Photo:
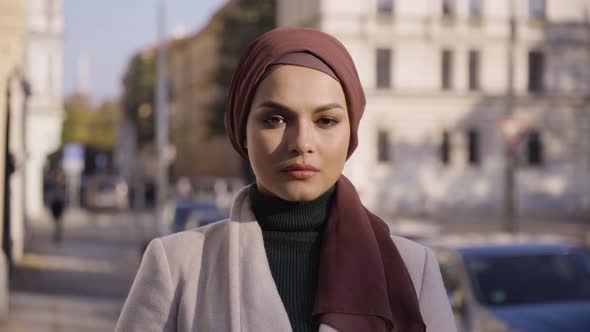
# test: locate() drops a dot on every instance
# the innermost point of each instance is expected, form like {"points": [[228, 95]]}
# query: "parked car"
{"points": [[106, 192], [199, 202], [190, 214], [516, 283]]}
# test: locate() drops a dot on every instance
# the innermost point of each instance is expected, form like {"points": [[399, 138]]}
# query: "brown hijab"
{"points": [[363, 283]]}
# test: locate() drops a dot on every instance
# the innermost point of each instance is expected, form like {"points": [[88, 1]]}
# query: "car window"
{"points": [[502, 280]]}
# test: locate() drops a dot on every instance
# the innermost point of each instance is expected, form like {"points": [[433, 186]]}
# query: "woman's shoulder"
{"points": [[425, 273], [184, 251], [181, 241], [409, 247], [418, 258]]}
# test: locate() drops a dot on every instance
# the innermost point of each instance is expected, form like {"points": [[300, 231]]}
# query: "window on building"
{"points": [[383, 68], [49, 8], [445, 148], [447, 69], [534, 148], [383, 146], [536, 71], [475, 8], [473, 152], [448, 7], [537, 9], [473, 70], [385, 7]]}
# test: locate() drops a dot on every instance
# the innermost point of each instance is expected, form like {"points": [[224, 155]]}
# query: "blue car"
{"points": [[200, 212], [516, 283]]}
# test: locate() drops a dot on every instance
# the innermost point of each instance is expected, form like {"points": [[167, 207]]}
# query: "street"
{"points": [[80, 284]]}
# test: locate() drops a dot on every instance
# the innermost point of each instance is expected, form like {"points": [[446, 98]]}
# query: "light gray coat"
{"points": [[217, 278]]}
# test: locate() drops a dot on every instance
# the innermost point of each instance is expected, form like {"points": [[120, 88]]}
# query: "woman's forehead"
{"points": [[299, 85]]}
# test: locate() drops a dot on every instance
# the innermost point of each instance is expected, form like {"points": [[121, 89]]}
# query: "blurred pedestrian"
{"points": [[299, 252], [57, 204]]}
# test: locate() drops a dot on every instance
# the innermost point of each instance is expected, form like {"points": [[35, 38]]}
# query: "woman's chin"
{"points": [[300, 192]]}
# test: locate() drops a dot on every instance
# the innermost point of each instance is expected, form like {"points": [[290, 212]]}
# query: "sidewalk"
{"points": [[80, 284]]}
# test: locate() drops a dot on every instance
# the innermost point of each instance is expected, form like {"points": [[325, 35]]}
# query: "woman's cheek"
{"points": [[270, 140], [338, 139]]}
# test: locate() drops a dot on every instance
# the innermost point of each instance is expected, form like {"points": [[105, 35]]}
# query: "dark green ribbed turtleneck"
{"points": [[292, 237]]}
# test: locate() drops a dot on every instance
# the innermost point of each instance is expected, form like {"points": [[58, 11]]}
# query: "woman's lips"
{"points": [[301, 175], [300, 171]]}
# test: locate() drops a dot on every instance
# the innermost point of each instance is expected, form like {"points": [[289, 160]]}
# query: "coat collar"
{"points": [[253, 296], [240, 211]]}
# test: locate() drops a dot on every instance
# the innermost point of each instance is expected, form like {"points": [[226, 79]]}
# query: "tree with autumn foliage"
{"points": [[138, 96], [243, 21], [95, 127]]}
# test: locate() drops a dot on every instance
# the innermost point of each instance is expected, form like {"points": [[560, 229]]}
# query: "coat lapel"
{"points": [[255, 303], [254, 295]]}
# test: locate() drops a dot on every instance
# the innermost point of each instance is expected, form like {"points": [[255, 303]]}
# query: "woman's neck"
{"points": [[276, 214]]}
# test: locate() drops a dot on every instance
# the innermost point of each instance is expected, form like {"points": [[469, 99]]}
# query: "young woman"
{"points": [[299, 252]]}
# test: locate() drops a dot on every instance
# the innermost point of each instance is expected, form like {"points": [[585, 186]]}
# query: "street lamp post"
{"points": [[509, 224], [161, 94]]}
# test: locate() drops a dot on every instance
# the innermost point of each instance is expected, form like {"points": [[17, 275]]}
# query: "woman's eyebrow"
{"points": [[280, 107], [328, 107], [274, 105]]}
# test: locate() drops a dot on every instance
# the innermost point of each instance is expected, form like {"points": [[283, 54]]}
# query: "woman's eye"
{"points": [[327, 122], [273, 121]]}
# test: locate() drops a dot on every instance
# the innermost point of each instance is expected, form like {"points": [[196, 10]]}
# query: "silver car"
{"points": [[516, 283], [106, 192]]}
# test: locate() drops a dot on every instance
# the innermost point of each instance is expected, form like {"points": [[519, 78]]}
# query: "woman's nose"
{"points": [[301, 138]]}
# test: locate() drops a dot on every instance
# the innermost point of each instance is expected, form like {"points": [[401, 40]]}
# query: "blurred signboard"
{"points": [[73, 158]]}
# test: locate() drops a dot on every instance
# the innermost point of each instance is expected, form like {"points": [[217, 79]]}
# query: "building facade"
{"points": [[437, 75], [44, 72], [12, 38]]}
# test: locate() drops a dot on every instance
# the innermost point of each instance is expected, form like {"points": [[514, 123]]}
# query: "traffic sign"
{"points": [[513, 129]]}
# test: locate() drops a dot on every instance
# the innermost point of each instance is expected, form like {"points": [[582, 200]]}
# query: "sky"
{"points": [[109, 32]]}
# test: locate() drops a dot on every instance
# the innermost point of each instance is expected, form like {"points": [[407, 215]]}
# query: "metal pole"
{"points": [[509, 224], [161, 118], [585, 119]]}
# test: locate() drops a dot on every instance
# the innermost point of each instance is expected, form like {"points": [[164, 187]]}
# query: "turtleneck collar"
{"points": [[276, 214]]}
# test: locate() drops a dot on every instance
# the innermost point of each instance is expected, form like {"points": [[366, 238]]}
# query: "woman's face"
{"points": [[297, 133]]}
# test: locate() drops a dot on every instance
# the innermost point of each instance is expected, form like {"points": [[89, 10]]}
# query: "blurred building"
{"points": [[436, 77], [194, 62], [12, 38], [44, 71]]}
